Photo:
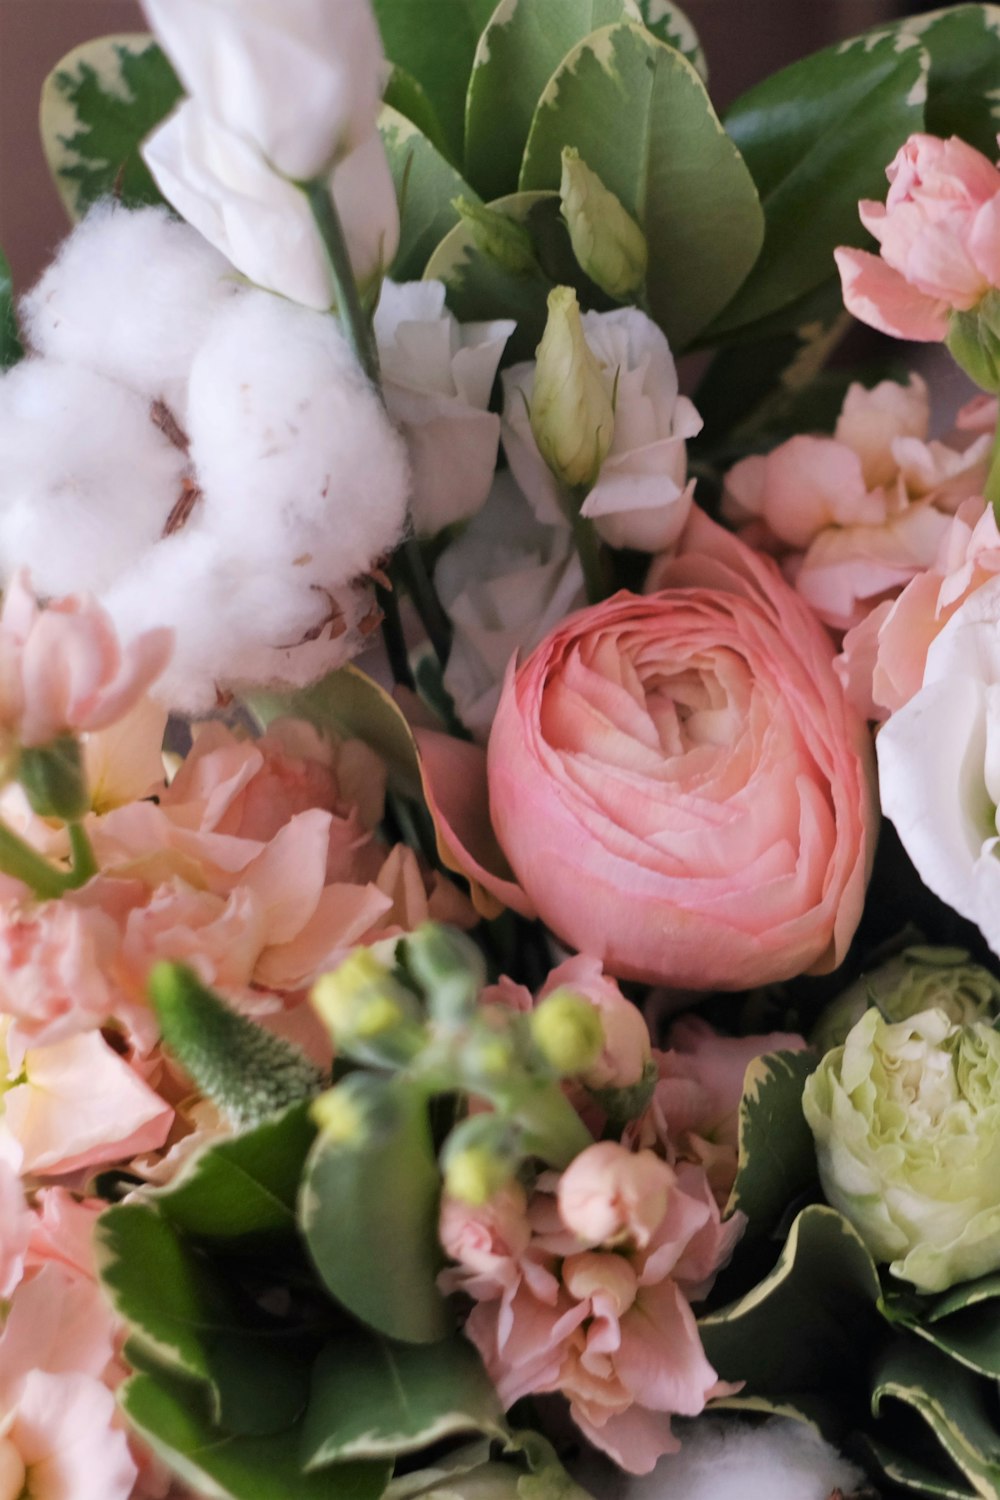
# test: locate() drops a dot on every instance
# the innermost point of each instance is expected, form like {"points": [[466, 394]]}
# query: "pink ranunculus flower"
{"points": [[679, 783], [939, 240], [62, 668], [853, 517]]}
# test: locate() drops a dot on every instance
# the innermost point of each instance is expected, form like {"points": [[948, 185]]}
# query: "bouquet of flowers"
{"points": [[465, 1032]]}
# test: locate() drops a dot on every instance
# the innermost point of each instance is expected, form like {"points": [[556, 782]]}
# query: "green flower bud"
{"points": [[371, 1016], [479, 1158], [499, 237], [448, 967], [918, 979], [568, 1032], [572, 416], [606, 240], [357, 1110], [905, 1116], [974, 341], [53, 780]]}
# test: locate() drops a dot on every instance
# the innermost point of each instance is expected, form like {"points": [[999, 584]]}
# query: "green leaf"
{"points": [[98, 106], [368, 1210], [963, 1322], [639, 115], [669, 24], [426, 186], [906, 1470], [518, 53], [220, 1467], [777, 1157], [10, 344], [817, 137], [435, 42], [404, 94], [184, 1320], [810, 1323], [956, 1405], [480, 288], [373, 1399], [244, 1187], [964, 45], [248, 1072]]}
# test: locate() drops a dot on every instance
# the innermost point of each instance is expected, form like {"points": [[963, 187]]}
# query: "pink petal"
{"points": [[879, 296]]}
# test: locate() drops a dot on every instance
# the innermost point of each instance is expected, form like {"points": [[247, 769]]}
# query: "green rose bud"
{"points": [[572, 416], [918, 979], [606, 240], [906, 1116], [499, 237]]}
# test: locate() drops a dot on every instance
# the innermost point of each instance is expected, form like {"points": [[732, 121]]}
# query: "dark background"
{"points": [[744, 40]]}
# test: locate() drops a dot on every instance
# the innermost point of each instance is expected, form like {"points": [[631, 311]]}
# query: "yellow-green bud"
{"points": [[361, 1106], [475, 1175], [339, 996], [339, 1116], [369, 1013], [606, 240], [571, 412], [568, 1032], [448, 967], [498, 236]]}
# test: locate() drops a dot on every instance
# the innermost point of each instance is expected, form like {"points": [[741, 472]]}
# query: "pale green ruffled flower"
{"points": [[919, 978]]}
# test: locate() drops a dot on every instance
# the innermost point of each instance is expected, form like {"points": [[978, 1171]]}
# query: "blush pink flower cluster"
{"points": [[854, 517]]}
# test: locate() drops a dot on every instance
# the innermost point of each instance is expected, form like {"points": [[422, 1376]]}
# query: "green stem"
{"points": [[17, 858], [588, 546], [392, 635], [991, 489], [413, 572], [84, 865]]}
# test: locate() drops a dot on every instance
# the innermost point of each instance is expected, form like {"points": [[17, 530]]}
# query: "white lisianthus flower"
{"points": [[905, 1119], [300, 79], [641, 498], [260, 221], [939, 765], [505, 584], [437, 375]]}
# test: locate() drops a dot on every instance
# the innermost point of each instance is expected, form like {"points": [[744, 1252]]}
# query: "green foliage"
{"points": [[777, 1159], [639, 115], [10, 344], [248, 1072], [957, 1406], [97, 108], [426, 186], [964, 47], [669, 24]]}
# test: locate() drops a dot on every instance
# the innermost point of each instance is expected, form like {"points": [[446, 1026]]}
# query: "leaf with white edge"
{"points": [[669, 24], [243, 1188], [373, 1399], [435, 42], [809, 1324], [957, 1406], [10, 344], [906, 1470], [963, 89], [368, 1209], [405, 95], [817, 137], [639, 115], [182, 1319], [480, 288], [518, 53], [963, 1323], [426, 187], [98, 105], [777, 1157], [220, 1467]]}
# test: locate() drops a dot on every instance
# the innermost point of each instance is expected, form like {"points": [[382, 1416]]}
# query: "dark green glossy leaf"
{"points": [[639, 115], [777, 1158], [368, 1210], [373, 1399], [905, 1469], [964, 44], [404, 94], [817, 137], [220, 1467], [426, 186], [97, 108], [958, 1406]]}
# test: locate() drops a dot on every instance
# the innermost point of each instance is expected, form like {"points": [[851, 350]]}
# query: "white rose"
{"points": [[505, 583], [301, 79], [939, 765], [262, 223], [641, 498], [437, 375]]}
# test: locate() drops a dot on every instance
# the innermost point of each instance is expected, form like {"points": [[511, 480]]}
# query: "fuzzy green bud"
{"points": [[369, 1013], [53, 779], [479, 1158], [449, 969], [606, 240], [571, 411], [499, 237], [919, 978], [568, 1032]]}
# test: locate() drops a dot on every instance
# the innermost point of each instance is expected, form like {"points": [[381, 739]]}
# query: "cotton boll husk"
{"points": [[87, 480], [295, 455], [781, 1460], [233, 623], [130, 294]]}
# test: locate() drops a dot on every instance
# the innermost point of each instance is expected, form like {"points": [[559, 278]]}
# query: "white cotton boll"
{"points": [[87, 480], [296, 457], [131, 294], [781, 1460]]}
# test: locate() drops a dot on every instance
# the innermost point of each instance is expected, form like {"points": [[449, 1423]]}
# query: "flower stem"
{"points": [[84, 864], [991, 489], [409, 561], [588, 546], [17, 858]]}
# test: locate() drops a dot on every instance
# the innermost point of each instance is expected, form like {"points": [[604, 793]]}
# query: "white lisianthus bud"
{"points": [[260, 221], [571, 412], [300, 79], [641, 497], [437, 375], [606, 240]]}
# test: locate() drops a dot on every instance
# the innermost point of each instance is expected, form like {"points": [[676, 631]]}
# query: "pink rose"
{"points": [[679, 783], [939, 237]]}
